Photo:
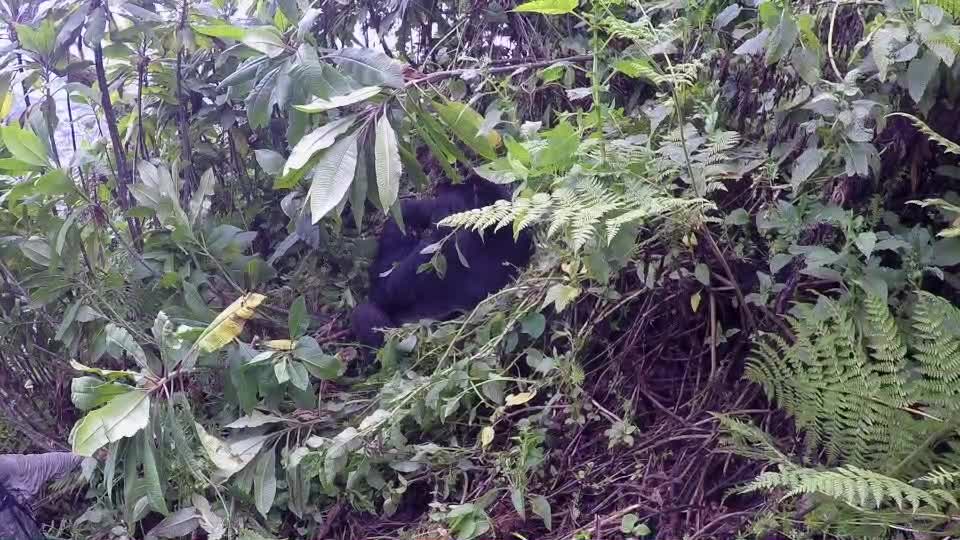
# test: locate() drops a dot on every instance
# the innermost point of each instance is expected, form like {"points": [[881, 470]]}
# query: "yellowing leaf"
{"points": [[695, 302], [486, 436], [279, 344], [519, 399], [548, 7], [229, 323]]}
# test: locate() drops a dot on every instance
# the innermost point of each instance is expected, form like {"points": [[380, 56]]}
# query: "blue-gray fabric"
{"points": [[21, 479]]}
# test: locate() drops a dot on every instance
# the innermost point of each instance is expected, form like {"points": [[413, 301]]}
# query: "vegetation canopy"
{"points": [[740, 319]]}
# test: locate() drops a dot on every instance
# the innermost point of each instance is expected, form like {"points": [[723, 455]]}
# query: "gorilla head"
{"points": [[400, 292]]}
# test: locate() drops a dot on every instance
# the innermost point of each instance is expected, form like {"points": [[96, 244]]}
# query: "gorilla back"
{"points": [[400, 294]]}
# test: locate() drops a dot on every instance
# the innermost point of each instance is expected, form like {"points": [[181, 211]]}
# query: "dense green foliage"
{"points": [[732, 201]]}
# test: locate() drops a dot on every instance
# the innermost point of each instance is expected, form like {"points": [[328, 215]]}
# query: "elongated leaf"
{"points": [[466, 124], [548, 7], [204, 190], [229, 456], [320, 364], [122, 417], [388, 166], [68, 317], [227, 31], [332, 177], [919, 74], [177, 525], [298, 321], [265, 39], [258, 102], [541, 507], [370, 67], [319, 139], [320, 105], [254, 419], [265, 482], [25, 145], [151, 475], [271, 162], [229, 323], [88, 393], [37, 250], [119, 337]]}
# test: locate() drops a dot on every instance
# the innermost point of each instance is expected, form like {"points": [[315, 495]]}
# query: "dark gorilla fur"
{"points": [[403, 295]]}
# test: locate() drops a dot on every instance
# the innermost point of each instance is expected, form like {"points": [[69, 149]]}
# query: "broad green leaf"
{"points": [[265, 481], [466, 124], [227, 31], [231, 455], [64, 231], [177, 525], [229, 323], [806, 164], [548, 7], [265, 39], [119, 337], [14, 166], [919, 74], [541, 507], [203, 191], [298, 321], [37, 250], [370, 67], [122, 417], [319, 139], [271, 162], [533, 325], [783, 38], [726, 16], [68, 317], [40, 39], [88, 393], [281, 370], [151, 475], [321, 104], [258, 102], [320, 364], [332, 177], [387, 158], [298, 375], [254, 419], [54, 182], [109, 374], [25, 145]]}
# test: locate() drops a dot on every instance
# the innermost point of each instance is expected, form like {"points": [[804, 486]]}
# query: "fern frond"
{"points": [[854, 486], [937, 350], [948, 146], [887, 349]]}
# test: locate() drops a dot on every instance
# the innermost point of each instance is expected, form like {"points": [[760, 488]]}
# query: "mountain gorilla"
{"points": [[400, 294]]}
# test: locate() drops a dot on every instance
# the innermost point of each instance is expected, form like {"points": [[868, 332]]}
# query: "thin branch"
{"points": [[528, 64], [123, 172], [183, 126]]}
